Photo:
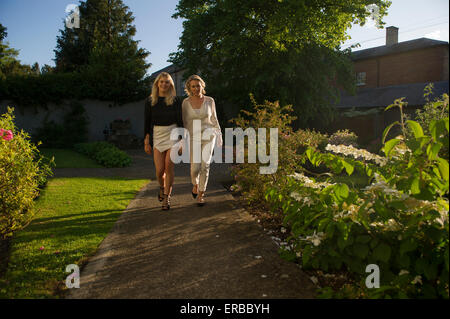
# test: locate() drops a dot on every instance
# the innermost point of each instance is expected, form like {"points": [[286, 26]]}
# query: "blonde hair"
{"points": [[194, 77], [155, 90]]}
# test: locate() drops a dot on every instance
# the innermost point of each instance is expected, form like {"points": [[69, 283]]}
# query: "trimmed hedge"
{"points": [[38, 91], [104, 153]]}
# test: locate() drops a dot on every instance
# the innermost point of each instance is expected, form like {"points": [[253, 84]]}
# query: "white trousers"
{"points": [[200, 171]]}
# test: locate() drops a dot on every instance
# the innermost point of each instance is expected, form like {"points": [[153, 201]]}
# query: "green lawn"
{"points": [[73, 216], [66, 158]]}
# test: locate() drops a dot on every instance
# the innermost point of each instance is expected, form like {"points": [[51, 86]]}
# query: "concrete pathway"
{"points": [[188, 252]]}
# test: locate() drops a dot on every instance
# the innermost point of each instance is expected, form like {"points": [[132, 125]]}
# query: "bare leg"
{"points": [[159, 159], [169, 172]]}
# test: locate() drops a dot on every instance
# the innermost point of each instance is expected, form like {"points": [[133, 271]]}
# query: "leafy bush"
{"points": [[74, 129], [21, 173], [343, 137], [290, 147], [104, 153], [433, 111], [399, 221]]}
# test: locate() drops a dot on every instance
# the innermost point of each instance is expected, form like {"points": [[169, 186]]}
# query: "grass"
{"points": [[73, 216], [66, 158]]}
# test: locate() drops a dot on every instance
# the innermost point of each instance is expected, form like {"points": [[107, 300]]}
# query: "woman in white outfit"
{"points": [[162, 114], [198, 106]]}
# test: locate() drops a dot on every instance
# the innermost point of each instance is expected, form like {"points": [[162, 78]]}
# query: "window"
{"points": [[361, 78]]}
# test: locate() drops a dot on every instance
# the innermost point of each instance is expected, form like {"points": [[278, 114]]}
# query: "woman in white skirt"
{"points": [[200, 107], [162, 114]]}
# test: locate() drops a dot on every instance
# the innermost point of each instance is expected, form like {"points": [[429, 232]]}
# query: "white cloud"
{"points": [[436, 34]]}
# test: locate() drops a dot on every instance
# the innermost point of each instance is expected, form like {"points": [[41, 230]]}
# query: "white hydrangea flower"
{"points": [[315, 239], [356, 153], [417, 279], [308, 182]]}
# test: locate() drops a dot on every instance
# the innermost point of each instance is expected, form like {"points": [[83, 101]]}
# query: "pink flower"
{"points": [[6, 134], [41, 248]]}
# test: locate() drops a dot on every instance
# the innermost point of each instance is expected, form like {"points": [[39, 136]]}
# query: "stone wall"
{"points": [[100, 114]]}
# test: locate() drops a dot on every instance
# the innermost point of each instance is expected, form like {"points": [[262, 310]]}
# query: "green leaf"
{"points": [[416, 128], [407, 245], [431, 271], [390, 106], [390, 145], [387, 129], [433, 150], [415, 185], [443, 168], [363, 239], [309, 154], [348, 167], [361, 250], [403, 260], [341, 190], [382, 252]]}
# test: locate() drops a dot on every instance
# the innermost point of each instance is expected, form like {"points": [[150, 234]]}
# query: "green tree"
{"points": [[9, 64], [102, 49], [287, 50], [105, 26]]}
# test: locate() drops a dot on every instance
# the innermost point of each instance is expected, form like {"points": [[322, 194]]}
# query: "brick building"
{"points": [[385, 73]]}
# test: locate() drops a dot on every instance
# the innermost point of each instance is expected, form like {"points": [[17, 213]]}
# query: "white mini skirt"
{"points": [[161, 137]]}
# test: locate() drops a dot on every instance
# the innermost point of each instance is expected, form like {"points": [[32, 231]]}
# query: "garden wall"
{"points": [[100, 114]]}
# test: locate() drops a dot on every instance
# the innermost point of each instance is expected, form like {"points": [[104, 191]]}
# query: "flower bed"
{"points": [[397, 220]]}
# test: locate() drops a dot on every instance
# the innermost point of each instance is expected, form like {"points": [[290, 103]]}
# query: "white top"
{"points": [[206, 113]]}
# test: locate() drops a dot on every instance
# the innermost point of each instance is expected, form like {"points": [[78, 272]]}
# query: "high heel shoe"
{"points": [[166, 202], [201, 200], [194, 195], [161, 194]]}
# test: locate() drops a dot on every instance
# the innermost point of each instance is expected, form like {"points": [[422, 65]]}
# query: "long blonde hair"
{"points": [[187, 85], [155, 90]]}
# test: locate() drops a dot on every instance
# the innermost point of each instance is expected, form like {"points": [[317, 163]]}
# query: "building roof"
{"points": [[169, 69], [405, 46], [384, 96]]}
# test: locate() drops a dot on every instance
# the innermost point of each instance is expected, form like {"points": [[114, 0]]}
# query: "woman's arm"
{"points": [[215, 122], [148, 127], [179, 112]]}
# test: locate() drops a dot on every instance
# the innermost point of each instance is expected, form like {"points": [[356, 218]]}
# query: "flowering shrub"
{"points": [[291, 146], [399, 221], [343, 137], [21, 170]]}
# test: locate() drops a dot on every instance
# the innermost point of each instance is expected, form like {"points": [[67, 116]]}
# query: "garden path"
{"points": [[215, 251]]}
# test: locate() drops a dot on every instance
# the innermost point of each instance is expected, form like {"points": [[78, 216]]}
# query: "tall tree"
{"points": [[9, 64], [103, 47], [287, 50]]}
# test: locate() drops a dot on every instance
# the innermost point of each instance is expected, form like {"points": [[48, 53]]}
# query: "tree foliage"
{"points": [[9, 64], [103, 49], [285, 50]]}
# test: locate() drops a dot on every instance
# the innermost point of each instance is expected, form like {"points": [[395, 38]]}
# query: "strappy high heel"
{"points": [[161, 194], [201, 200], [166, 202]]}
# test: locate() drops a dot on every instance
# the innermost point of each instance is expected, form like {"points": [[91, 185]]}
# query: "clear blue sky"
{"points": [[33, 26]]}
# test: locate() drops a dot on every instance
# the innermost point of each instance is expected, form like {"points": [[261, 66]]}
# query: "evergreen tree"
{"points": [[103, 49]]}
